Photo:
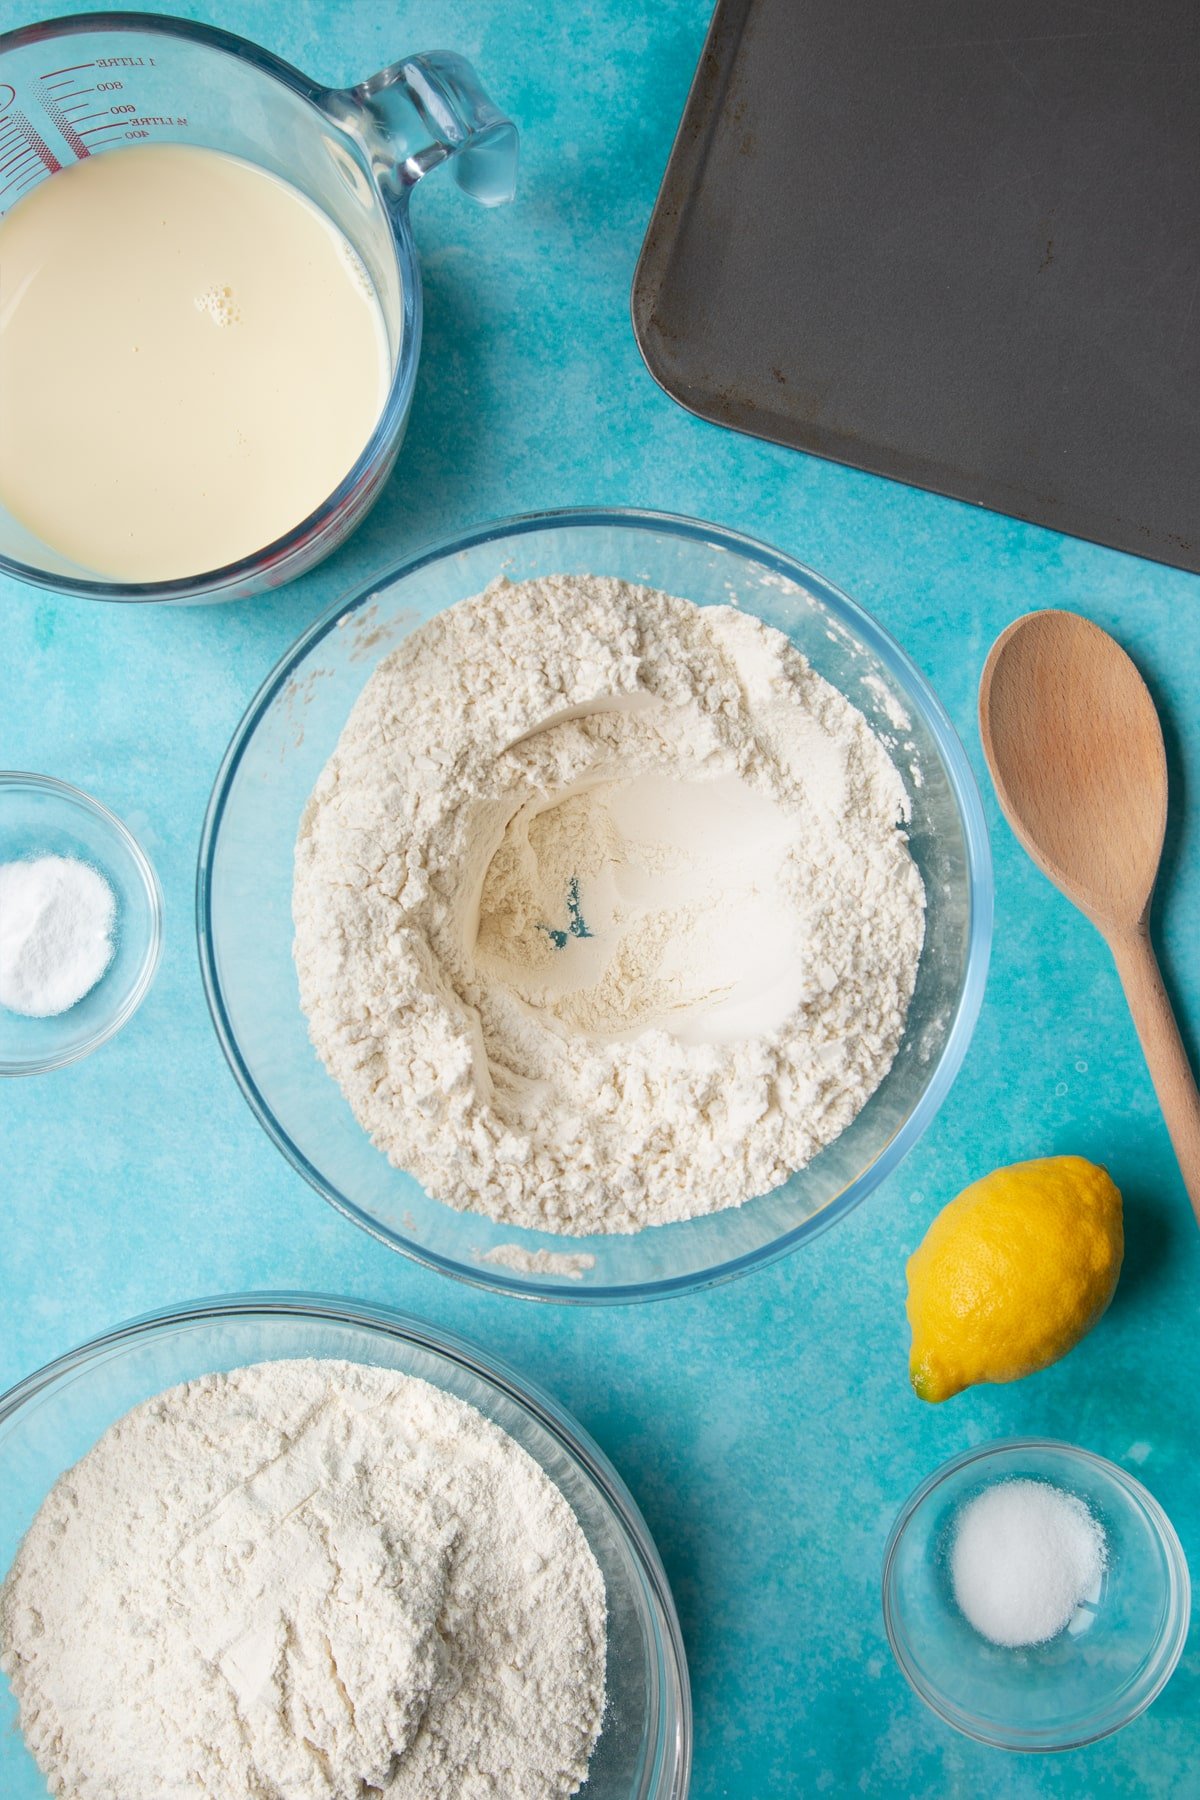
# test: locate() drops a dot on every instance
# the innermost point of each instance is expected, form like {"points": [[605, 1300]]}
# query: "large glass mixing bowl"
{"points": [[245, 889], [50, 1420]]}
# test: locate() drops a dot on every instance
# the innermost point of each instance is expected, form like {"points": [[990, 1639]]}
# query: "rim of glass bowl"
{"points": [[1175, 1628], [42, 1065], [673, 1767], [979, 894], [213, 582]]}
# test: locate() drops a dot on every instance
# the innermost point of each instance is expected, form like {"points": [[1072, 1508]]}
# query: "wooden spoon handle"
{"points": [[1163, 1048]]}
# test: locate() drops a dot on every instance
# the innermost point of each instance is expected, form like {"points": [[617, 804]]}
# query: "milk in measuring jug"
{"points": [[191, 359]]}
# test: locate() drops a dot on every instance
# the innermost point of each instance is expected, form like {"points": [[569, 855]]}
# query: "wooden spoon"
{"points": [[1076, 752]]}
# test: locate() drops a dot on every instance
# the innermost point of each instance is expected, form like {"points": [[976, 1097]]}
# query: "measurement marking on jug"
{"points": [[60, 121], [62, 100], [23, 181], [38, 144], [20, 177]]}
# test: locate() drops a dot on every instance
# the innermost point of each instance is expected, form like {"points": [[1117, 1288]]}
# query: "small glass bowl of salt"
{"points": [[80, 924], [1035, 1595]]}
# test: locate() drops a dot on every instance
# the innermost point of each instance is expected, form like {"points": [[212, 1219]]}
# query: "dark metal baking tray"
{"points": [[954, 242]]}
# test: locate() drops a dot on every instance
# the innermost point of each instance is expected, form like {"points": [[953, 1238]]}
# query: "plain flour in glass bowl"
{"points": [[605, 913]]}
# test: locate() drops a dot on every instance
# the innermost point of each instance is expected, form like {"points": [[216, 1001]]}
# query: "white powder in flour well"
{"points": [[603, 913], [306, 1580]]}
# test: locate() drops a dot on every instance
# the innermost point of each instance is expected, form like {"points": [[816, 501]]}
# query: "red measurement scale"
{"points": [[89, 108]]}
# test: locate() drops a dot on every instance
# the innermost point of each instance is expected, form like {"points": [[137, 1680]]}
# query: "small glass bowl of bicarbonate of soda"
{"points": [[80, 924], [1036, 1596]]}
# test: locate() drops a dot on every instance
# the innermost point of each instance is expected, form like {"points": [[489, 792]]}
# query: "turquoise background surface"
{"points": [[766, 1428]]}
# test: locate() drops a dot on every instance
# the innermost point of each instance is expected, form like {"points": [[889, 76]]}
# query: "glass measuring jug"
{"points": [[95, 84]]}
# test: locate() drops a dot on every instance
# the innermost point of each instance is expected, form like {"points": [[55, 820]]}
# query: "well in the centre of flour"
{"points": [[649, 902], [605, 911]]}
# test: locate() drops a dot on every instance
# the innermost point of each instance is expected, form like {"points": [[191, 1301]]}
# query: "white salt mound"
{"points": [[1025, 1556], [56, 920]]}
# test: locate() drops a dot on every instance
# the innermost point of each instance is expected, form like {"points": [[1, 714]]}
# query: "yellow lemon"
{"points": [[1012, 1274]]}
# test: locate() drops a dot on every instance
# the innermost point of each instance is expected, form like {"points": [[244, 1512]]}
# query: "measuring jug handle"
{"points": [[430, 109]]}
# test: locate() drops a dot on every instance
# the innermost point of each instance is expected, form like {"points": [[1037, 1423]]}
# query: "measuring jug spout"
{"points": [[428, 110]]}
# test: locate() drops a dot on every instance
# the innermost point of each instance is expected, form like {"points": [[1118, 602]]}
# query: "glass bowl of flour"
{"points": [[55, 1417], [595, 907]]}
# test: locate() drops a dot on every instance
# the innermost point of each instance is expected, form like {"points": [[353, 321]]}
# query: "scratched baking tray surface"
{"points": [[955, 242]]}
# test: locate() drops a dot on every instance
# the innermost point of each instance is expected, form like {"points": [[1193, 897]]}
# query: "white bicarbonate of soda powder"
{"points": [[1025, 1557], [56, 921]]}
